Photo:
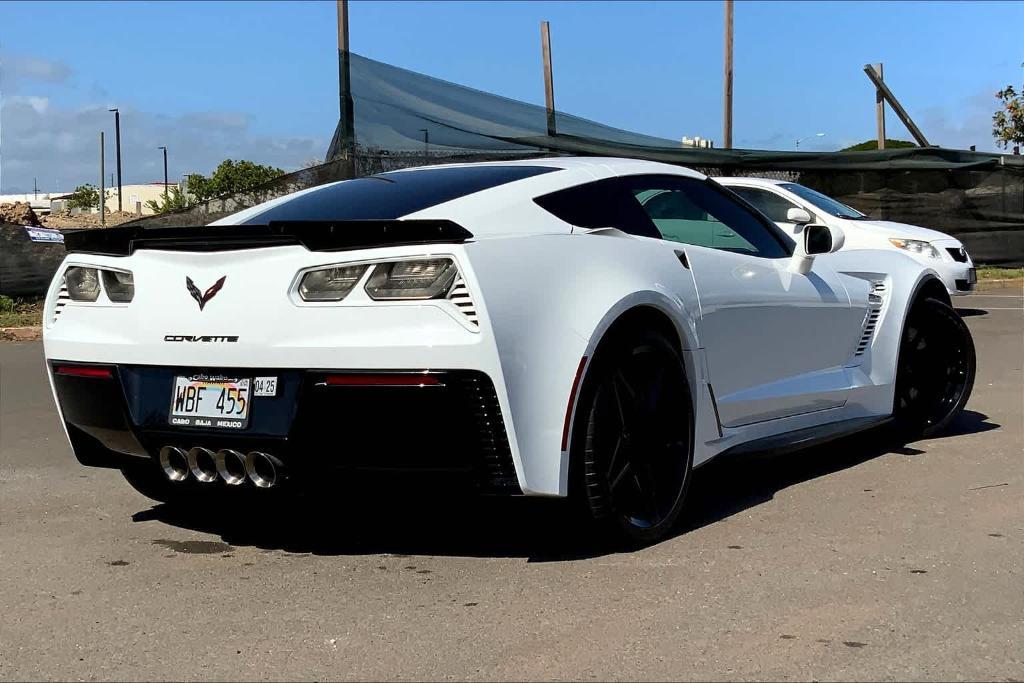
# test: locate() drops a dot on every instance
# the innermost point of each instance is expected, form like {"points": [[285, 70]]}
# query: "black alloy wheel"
{"points": [[935, 369], [634, 437]]}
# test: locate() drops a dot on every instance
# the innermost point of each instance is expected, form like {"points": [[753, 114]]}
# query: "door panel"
{"points": [[776, 342]]}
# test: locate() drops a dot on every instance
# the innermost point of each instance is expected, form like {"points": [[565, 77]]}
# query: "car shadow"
{"points": [[411, 522], [970, 312]]}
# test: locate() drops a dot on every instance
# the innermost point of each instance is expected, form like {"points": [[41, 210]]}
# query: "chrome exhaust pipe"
{"points": [[203, 464], [231, 466], [263, 469], [174, 463]]}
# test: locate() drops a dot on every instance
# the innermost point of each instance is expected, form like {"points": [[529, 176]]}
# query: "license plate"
{"points": [[972, 276], [210, 401]]}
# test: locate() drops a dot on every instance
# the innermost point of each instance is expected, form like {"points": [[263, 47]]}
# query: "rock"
{"points": [[19, 213]]}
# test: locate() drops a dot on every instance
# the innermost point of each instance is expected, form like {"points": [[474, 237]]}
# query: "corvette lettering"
{"points": [[200, 338]]}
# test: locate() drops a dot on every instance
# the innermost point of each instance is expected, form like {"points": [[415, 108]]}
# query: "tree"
{"points": [[175, 201], [873, 144], [84, 197], [231, 177], [1008, 122]]}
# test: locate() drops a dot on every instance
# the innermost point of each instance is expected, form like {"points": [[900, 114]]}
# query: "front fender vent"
{"points": [[876, 299]]}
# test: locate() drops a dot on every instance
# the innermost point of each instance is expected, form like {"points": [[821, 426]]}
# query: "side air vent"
{"points": [[460, 296], [876, 297], [62, 299]]}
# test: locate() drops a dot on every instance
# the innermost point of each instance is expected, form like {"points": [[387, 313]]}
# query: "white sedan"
{"points": [[792, 206], [591, 328]]}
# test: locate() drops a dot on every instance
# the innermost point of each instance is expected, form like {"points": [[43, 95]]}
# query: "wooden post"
{"points": [[103, 198], [727, 112], [880, 109], [897, 108], [347, 120], [549, 82]]}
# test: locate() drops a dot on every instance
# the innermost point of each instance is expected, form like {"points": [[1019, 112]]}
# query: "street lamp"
{"points": [[165, 172], [117, 142], [799, 140]]}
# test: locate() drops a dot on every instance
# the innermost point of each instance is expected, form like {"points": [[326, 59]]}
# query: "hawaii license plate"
{"points": [[211, 401]]}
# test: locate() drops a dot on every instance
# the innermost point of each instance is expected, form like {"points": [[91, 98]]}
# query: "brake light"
{"points": [[382, 380], [84, 371]]}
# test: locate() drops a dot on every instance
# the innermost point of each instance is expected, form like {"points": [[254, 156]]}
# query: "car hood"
{"points": [[900, 230]]}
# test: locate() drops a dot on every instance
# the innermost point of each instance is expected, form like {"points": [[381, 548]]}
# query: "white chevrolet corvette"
{"points": [[545, 327]]}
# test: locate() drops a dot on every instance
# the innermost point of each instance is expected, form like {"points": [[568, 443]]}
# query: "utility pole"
{"points": [[727, 113], [897, 108], [35, 188], [103, 191], [165, 173], [117, 146], [880, 109], [426, 143], [549, 81], [347, 120]]}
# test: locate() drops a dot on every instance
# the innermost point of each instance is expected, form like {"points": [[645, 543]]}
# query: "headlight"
{"points": [[418, 279], [119, 285], [330, 284], [915, 247], [83, 283]]}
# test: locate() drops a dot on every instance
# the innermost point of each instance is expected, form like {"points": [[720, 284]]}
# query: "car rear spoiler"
{"points": [[313, 235]]}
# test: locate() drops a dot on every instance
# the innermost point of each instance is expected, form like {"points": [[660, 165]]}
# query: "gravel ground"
{"points": [[853, 561]]}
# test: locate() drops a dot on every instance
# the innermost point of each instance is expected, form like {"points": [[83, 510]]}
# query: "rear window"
{"points": [[388, 196]]}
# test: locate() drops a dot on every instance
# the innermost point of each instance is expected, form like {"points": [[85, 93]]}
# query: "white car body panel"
{"points": [[777, 349], [872, 234]]}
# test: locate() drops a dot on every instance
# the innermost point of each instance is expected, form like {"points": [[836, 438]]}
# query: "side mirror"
{"points": [[817, 239], [797, 215]]}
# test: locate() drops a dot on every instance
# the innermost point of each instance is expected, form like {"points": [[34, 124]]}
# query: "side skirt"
{"points": [[807, 437]]}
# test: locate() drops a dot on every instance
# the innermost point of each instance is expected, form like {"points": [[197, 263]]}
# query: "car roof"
{"points": [[752, 182]]}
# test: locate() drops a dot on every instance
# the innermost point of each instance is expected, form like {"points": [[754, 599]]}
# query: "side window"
{"points": [[695, 212], [601, 204], [767, 202]]}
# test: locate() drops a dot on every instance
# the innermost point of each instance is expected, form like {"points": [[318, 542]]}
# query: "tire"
{"points": [[934, 371], [633, 438]]}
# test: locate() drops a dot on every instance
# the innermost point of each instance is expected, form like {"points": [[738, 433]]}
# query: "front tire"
{"points": [[633, 441], [935, 369]]}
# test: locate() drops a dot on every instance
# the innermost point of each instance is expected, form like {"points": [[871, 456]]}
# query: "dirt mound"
{"points": [[86, 220], [18, 213]]}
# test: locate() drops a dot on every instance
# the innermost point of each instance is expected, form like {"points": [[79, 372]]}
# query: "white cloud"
{"points": [[16, 68], [59, 146]]}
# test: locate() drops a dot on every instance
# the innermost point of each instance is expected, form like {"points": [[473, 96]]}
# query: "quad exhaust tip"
{"points": [[174, 462], [264, 470], [203, 464], [231, 466]]}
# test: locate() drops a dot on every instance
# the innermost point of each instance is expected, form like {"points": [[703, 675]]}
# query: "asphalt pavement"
{"points": [[856, 560]]}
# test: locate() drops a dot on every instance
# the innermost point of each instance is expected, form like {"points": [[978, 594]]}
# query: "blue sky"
{"points": [[258, 80]]}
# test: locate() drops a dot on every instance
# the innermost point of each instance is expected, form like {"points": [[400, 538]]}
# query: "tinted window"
{"points": [[697, 212], [824, 202], [392, 195], [767, 202], [601, 204]]}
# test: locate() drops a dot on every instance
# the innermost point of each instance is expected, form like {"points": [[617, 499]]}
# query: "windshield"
{"points": [[824, 202]]}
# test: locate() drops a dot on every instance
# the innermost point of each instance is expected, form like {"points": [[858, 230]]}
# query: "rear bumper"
{"points": [[453, 428]]}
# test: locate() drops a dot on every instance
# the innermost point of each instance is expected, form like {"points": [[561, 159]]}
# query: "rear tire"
{"points": [[935, 369], [633, 438]]}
